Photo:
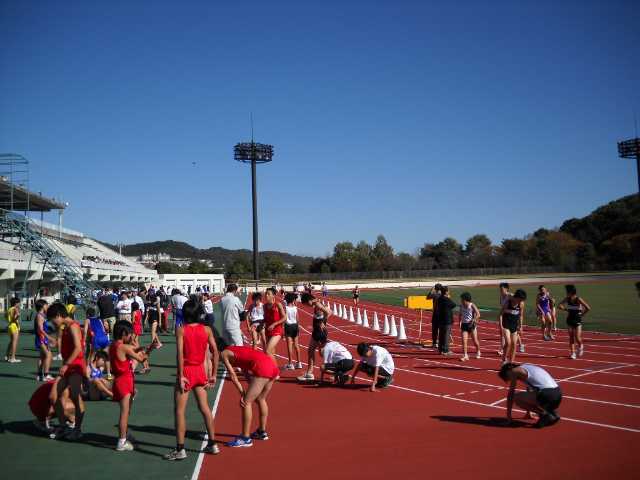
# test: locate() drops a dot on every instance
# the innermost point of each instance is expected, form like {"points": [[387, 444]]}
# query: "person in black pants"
{"points": [[434, 294], [445, 320]]}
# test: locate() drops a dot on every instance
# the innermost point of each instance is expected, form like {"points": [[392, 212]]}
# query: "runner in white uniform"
{"points": [[336, 359], [291, 331]]}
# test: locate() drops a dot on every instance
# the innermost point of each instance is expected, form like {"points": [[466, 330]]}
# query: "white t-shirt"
{"points": [[231, 309], [124, 306], [381, 358], [334, 352], [208, 307], [292, 315], [179, 300], [257, 313], [537, 377], [140, 303]]}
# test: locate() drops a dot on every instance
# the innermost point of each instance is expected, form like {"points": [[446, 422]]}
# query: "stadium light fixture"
{"points": [[253, 153], [631, 149]]}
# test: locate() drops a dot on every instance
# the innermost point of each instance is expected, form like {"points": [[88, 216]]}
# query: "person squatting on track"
{"points": [[377, 363], [544, 308], [122, 352], [42, 405], [543, 395], [192, 342], [262, 371], [319, 331], [576, 309], [469, 317], [274, 318], [512, 315], [255, 322], [72, 371], [336, 360], [292, 331], [434, 295]]}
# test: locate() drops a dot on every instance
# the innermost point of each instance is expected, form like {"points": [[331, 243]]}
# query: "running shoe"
{"points": [[478, 355], [47, 378], [521, 348], [581, 351], [464, 358], [384, 382], [299, 366], [125, 446], [212, 449], [289, 366], [342, 379], [240, 442], [260, 435], [57, 357], [500, 353], [306, 377], [546, 420], [14, 360], [573, 356], [176, 455]]}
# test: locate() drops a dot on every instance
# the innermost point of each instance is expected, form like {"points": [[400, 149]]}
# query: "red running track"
{"points": [[440, 415]]}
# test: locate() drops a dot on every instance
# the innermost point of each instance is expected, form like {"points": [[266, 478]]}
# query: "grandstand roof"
{"points": [[15, 197]]}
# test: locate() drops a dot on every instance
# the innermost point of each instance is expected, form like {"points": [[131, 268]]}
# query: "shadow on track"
{"points": [[496, 422]]}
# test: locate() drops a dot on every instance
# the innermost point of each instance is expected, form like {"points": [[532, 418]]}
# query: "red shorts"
{"points": [[195, 375], [123, 385], [78, 367], [266, 368], [39, 403], [279, 330]]}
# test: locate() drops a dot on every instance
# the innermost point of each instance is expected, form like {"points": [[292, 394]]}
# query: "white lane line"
{"points": [[196, 471], [590, 373]]}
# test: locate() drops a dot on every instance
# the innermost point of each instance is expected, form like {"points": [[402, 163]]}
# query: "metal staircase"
{"points": [[30, 240]]}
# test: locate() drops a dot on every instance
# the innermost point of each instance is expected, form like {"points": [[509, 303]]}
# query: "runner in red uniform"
{"points": [[274, 317], [72, 371], [42, 404], [192, 341], [122, 352], [264, 371]]}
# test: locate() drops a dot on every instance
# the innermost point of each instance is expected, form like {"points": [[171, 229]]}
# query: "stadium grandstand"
{"points": [[41, 260]]}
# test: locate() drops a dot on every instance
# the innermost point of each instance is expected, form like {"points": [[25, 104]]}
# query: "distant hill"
{"points": [[218, 255]]}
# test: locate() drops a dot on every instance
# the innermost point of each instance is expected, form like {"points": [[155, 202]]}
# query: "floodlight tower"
{"points": [[254, 153], [631, 149]]}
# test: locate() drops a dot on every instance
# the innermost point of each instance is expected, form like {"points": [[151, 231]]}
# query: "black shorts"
{"points": [[355, 297], [341, 366], [291, 330], [154, 316], [510, 322], [574, 322], [370, 370], [468, 327], [319, 335], [549, 398], [258, 325]]}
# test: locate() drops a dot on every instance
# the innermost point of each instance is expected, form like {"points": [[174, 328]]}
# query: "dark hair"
{"points": [[521, 294], [14, 301], [437, 287], [134, 307], [72, 300], [40, 304], [101, 354], [191, 311], [363, 348], [121, 329], [232, 287], [272, 290], [444, 289], [505, 369], [307, 297], [91, 312], [290, 297], [57, 310], [256, 296], [571, 289], [540, 287], [504, 285], [466, 296]]}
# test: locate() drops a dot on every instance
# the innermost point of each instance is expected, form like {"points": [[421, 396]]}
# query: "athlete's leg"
{"points": [[256, 385], [203, 406], [263, 407], [180, 405]]}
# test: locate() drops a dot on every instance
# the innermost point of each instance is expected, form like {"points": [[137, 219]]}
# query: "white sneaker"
{"points": [[521, 348], [478, 355], [464, 358], [125, 446], [299, 366], [581, 351], [176, 455], [289, 366], [47, 378], [573, 356], [14, 360], [306, 377], [58, 357]]}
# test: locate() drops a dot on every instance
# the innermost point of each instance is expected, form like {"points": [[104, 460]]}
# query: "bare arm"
{"points": [[585, 306], [182, 381], [134, 353], [375, 378], [355, 372], [213, 348], [230, 370], [512, 389], [476, 313], [283, 317]]}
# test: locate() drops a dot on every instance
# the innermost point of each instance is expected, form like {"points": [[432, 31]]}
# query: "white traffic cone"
{"points": [[402, 335], [351, 319], [344, 313], [335, 310], [393, 332], [385, 330], [376, 323], [340, 310], [359, 318], [365, 320]]}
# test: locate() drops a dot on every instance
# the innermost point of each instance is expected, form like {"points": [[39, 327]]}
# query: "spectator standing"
{"points": [[232, 308], [445, 320], [107, 309]]}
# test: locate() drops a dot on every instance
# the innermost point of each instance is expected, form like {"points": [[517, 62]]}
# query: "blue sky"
{"points": [[418, 120]]}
